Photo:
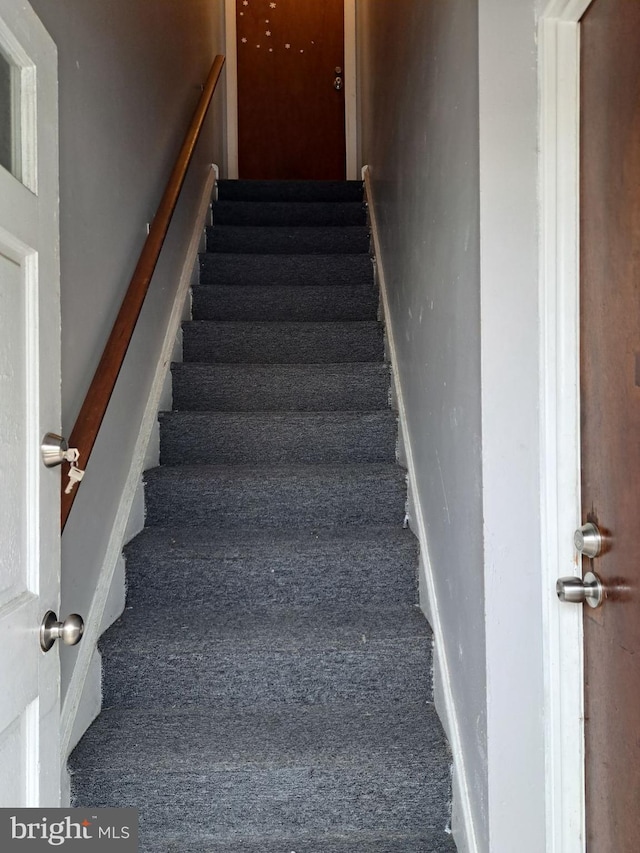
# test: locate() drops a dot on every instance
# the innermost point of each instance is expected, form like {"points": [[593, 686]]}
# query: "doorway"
{"points": [[243, 158], [580, 218]]}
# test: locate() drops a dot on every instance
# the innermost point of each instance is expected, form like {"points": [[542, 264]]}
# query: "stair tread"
{"points": [[274, 326], [283, 416], [275, 473], [295, 190], [277, 437], [282, 341], [249, 660], [297, 270], [247, 386], [233, 805], [436, 841], [336, 368], [278, 213], [341, 470], [284, 302], [257, 571], [322, 494], [265, 239], [203, 542], [305, 628], [195, 740]]}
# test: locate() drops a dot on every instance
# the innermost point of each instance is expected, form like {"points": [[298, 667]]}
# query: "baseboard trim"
{"points": [[116, 539], [463, 825]]}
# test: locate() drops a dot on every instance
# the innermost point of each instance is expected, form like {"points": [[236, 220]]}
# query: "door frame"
{"points": [[350, 88], [559, 81]]}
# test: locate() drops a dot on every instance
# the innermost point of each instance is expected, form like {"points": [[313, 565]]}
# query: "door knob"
{"points": [[337, 83], [70, 631], [588, 540], [576, 591]]}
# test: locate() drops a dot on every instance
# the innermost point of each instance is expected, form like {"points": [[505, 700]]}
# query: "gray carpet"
{"points": [[268, 688], [269, 269], [337, 240]]}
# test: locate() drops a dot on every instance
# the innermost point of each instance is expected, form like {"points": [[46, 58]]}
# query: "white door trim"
{"points": [[350, 88], [559, 46]]}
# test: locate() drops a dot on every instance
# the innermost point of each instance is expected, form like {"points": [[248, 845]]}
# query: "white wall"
{"points": [[130, 76], [419, 135], [449, 128], [511, 441]]}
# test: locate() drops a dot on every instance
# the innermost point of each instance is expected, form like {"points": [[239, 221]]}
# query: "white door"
{"points": [[29, 407]]}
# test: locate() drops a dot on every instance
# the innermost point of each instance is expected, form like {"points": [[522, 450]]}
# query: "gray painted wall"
{"points": [[130, 74], [449, 122], [419, 135]]}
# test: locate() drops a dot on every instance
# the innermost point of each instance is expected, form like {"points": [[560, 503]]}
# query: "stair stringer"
{"points": [[79, 708], [462, 815]]}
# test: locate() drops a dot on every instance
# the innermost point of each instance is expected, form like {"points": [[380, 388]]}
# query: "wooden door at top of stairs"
{"points": [[610, 415], [291, 111], [29, 407]]}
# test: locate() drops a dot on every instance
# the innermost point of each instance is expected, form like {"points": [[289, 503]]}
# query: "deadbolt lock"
{"points": [[588, 540]]}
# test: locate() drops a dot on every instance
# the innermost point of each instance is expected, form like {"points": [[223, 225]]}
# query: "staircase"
{"points": [[268, 688]]}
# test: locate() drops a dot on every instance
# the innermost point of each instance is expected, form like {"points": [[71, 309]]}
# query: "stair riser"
{"points": [[236, 343], [298, 270], [234, 805], [288, 241], [219, 674], [291, 191], [262, 582], [281, 302], [293, 214], [277, 440], [266, 501], [225, 388]]}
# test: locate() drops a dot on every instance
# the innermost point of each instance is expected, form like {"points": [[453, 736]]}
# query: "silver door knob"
{"points": [[337, 83], [588, 540], [70, 631], [576, 591]]}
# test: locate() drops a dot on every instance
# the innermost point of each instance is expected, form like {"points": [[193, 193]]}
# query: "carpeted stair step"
{"points": [[282, 342], [290, 191], [286, 496], [327, 754], [295, 213], [273, 438], [288, 241], [181, 658], [434, 841], [315, 736], [268, 688], [286, 269], [259, 571], [232, 805], [362, 386], [284, 302]]}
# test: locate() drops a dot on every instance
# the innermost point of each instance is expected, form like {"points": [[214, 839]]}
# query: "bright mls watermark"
{"points": [[69, 829]]}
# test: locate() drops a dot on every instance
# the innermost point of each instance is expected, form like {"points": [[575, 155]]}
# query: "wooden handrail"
{"points": [[94, 407]]}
